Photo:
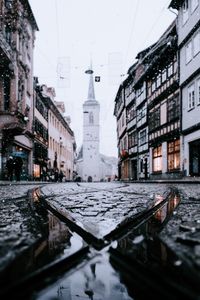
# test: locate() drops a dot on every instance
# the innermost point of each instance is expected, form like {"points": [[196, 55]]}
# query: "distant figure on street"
{"points": [[56, 175], [18, 163], [10, 167], [61, 175]]}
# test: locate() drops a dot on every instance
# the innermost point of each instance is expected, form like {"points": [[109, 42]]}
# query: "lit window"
{"points": [[194, 4], [157, 159], [196, 43], [188, 52], [173, 155], [191, 96]]}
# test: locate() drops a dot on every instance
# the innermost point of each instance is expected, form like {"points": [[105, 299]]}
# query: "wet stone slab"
{"points": [[114, 203], [182, 233]]}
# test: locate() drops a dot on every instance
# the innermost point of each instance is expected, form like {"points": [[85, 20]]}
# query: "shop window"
{"points": [[191, 96], [157, 159], [173, 155]]}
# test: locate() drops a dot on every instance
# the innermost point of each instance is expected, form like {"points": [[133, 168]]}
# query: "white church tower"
{"points": [[91, 156]]}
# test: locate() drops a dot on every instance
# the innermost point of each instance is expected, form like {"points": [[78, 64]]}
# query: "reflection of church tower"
{"points": [[91, 158]]}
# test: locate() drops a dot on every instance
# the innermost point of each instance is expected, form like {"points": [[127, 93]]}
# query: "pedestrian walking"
{"points": [[61, 175], [56, 174], [18, 163], [9, 167]]}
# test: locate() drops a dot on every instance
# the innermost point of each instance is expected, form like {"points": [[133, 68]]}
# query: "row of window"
{"points": [[173, 157], [162, 77], [57, 147], [173, 111], [135, 139], [158, 115]]}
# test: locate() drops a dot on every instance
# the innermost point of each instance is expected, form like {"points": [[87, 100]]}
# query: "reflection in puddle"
{"points": [[103, 279], [96, 280], [57, 242], [145, 232], [146, 265]]}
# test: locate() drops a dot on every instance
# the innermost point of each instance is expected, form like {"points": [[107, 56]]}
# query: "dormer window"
{"points": [[185, 11], [194, 4]]}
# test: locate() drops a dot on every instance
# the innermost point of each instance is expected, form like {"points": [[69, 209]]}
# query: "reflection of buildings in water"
{"points": [[149, 248], [165, 212], [59, 234]]}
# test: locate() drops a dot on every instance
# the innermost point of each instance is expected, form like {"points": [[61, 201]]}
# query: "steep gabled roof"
{"points": [[176, 4]]}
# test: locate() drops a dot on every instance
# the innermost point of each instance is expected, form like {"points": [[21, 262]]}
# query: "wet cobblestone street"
{"points": [[97, 209]]}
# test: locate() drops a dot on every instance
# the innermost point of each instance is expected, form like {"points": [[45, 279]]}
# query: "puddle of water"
{"points": [[58, 242], [96, 280], [146, 264]]}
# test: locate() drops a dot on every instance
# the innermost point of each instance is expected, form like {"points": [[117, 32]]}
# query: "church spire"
{"points": [[91, 94]]}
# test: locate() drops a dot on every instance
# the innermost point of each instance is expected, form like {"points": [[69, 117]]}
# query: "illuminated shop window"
{"points": [[173, 155], [157, 159]]}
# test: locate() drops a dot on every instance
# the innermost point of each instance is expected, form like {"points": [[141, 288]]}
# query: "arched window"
{"points": [[91, 118]]}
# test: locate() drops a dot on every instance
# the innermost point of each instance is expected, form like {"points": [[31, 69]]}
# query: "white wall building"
{"points": [[61, 146], [91, 165], [91, 158], [188, 25]]}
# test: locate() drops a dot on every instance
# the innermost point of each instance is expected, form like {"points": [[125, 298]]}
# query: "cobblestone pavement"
{"points": [[98, 208]]}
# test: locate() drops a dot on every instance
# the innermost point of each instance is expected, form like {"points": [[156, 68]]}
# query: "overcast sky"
{"points": [[111, 33]]}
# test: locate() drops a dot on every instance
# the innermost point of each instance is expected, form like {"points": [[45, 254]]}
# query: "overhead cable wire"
{"points": [[57, 28], [132, 30], [154, 24]]}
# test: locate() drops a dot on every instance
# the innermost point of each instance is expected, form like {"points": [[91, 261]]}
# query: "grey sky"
{"points": [[74, 31]]}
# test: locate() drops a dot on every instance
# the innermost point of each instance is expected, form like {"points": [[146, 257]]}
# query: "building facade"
{"points": [[17, 35], [40, 130], [91, 158], [147, 110], [188, 26], [164, 107], [61, 140]]}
